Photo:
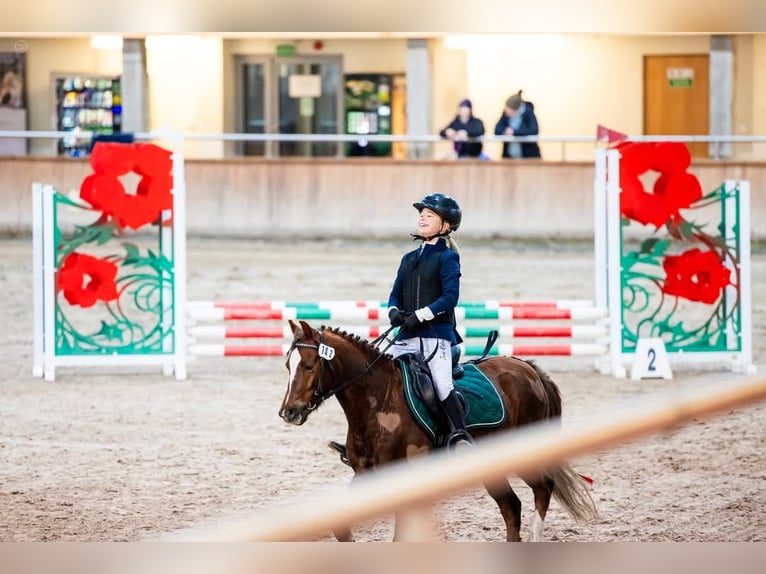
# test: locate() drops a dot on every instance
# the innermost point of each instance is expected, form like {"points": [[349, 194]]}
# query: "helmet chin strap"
{"points": [[415, 236]]}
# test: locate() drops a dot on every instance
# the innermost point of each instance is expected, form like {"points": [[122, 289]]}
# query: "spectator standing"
{"points": [[465, 126], [518, 119]]}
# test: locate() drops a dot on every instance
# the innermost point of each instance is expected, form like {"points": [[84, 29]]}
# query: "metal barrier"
{"points": [[162, 134]]}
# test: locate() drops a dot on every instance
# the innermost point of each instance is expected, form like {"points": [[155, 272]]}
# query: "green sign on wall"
{"points": [[285, 50], [680, 77]]}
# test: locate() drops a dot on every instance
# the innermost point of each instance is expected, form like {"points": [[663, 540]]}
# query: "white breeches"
{"points": [[440, 365]]}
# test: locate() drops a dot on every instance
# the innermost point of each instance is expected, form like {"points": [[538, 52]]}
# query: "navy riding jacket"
{"points": [[429, 277]]}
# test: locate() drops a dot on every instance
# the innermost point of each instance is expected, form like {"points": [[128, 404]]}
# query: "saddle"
{"points": [[477, 396]]}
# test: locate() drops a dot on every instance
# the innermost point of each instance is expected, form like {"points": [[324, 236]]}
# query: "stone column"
{"points": [[135, 103], [721, 93], [418, 96]]}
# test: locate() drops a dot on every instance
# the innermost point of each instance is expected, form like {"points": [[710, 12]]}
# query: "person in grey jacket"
{"points": [[518, 119]]}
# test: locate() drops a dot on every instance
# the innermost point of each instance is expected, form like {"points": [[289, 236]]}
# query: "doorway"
{"points": [[292, 95], [677, 97]]}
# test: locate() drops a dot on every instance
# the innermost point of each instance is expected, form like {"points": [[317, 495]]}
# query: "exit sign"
{"points": [[680, 77]]}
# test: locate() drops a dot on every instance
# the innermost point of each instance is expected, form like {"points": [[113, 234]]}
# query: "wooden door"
{"points": [[677, 97]]}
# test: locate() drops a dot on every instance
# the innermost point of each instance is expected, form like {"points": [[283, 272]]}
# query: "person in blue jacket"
{"points": [[423, 300], [465, 126], [518, 119]]}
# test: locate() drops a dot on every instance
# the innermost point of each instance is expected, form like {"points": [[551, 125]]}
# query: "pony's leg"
{"points": [[543, 489], [510, 508]]}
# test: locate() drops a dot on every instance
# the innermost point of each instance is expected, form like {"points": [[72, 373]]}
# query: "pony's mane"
{"points": [[358, 342]]}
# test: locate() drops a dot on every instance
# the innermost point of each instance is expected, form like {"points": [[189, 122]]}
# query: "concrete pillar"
{"points": [[135, 102], [418, 96], [721, 92]]}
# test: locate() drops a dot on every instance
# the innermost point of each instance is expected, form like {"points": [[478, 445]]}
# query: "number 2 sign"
{"points": [[651, 360]]}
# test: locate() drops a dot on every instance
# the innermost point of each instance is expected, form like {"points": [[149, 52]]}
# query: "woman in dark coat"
{"points": [[464, 126]]}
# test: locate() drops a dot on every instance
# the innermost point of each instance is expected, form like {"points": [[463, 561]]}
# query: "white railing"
{"points": [[718, 140]]}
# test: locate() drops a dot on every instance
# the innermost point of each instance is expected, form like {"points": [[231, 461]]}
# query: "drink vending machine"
{"points": [[368, 112], [86, 105]]}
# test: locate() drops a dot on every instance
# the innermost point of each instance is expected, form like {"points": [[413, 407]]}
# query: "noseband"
{"points": [[326, 355]]}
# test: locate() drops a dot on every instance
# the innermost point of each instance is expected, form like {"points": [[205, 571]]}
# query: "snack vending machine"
{"points": [[86, 103]]}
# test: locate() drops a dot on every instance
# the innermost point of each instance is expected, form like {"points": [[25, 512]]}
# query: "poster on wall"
{"points": [[12, 66], [13, 113]]}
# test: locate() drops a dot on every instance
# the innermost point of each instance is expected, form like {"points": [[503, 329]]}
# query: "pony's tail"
{"points": [[551, 391], [570, 488], [572, 493]]}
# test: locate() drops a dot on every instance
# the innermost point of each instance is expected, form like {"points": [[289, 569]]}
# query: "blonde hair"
{"points": [[452, 244]]}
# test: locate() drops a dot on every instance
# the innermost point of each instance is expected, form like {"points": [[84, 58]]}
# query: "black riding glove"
{"points": [[411, 322], [396, 317]]}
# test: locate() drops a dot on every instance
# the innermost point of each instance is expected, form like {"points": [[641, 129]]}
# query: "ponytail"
{"points": [[452, 244]]}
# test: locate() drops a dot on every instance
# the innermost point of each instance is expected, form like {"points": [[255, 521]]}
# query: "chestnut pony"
{"points": [[368, 385]]}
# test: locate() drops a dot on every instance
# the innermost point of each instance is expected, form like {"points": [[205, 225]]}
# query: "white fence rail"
{"points": [[719, 140]]}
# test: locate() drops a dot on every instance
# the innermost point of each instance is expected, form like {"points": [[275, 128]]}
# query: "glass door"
{"points": [[254, 103], [309, 91]]}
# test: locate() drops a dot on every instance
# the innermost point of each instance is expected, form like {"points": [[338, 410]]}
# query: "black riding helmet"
{"points": [[447, 208]]}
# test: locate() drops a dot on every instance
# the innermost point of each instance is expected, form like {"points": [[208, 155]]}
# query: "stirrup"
{"points": [[340, 449], [459, 437]]}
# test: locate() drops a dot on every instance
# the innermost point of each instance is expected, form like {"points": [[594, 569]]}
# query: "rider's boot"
{"points": [[459, 436]]}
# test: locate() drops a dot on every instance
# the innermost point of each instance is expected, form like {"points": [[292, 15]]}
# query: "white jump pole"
{"points": [[38, 365], [179, 256], [614, 264], [746, 302], [600, 279]]}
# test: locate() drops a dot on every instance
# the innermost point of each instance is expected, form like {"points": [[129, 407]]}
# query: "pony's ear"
{"points": [[307, 330], [295, 328]]}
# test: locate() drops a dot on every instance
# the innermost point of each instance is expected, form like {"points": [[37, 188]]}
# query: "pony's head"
{"points": [[308, 362]]}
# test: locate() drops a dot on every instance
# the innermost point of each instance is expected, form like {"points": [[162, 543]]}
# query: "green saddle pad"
{"points": [[484, 406]]}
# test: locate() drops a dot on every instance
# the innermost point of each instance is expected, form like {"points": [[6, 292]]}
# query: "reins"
{"points": [[326, 355]]}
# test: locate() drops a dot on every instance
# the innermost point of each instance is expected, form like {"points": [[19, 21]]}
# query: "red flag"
{"points": [[611, 137]]}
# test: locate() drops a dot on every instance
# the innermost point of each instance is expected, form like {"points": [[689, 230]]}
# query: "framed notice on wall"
{"points": [[13, 112], [12, 73]]}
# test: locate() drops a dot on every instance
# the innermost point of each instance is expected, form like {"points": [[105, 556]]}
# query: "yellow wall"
{"points": [[186, 88], [449, 70], [588, 79], [758, 97]]}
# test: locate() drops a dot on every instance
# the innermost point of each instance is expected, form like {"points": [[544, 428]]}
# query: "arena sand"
{"points": [[112, 455]]}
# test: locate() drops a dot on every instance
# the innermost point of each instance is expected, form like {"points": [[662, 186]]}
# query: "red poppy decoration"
{"points": [[85, 279], [675, 189], [104, 190], [695, 275]]}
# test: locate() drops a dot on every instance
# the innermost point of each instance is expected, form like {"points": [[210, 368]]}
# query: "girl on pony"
{"points": [[423, 300]]}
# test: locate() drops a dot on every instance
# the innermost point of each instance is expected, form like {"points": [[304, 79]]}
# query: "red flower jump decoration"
{"points": [[104, 190], [695, 275], [85, 279], [675, 189]]}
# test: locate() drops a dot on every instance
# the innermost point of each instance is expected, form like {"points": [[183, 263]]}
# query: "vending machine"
{"points": [[86, 105], [368, 112]]}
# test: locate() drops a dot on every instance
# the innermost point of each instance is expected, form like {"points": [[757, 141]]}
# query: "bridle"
{"points": [[326, 355]]}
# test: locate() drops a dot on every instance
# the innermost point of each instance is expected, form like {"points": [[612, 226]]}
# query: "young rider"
{"points": [[423, 300], [422, 303]]}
